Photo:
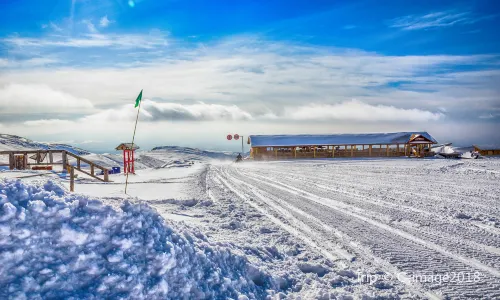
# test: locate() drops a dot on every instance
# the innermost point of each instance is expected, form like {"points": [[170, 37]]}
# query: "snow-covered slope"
{"points": [[14, 142], [195, 153]]}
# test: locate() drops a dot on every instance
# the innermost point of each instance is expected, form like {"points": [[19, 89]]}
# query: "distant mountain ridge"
{"points": [[197, 152], [10, 142]]}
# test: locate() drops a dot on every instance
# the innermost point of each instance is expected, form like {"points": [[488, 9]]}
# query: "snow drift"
{"points": [[59, 245]]}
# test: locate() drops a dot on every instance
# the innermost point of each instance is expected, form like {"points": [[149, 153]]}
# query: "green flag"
{"points": [[138, 100]]}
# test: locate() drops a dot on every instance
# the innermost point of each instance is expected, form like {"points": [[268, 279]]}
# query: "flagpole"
{"points": [[133, 138]]}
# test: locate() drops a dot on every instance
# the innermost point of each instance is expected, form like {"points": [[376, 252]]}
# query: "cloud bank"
{"points": [[359, 111], [152, 111], [39, 98]]}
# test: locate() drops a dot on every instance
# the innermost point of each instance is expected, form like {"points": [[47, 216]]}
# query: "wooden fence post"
{"points": [[72, 179], [64, 160]]}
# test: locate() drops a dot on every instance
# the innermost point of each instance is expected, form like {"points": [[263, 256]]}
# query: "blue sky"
{"points": [[253, 67]]}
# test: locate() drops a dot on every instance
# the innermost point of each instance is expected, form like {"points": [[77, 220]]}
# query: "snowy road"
{"points": [[411, 219]]}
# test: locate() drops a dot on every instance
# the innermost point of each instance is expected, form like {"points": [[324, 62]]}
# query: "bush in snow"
{"points": [[59, 245]]}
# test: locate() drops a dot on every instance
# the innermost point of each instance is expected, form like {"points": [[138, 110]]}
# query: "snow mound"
{"points": [[59, 245]]}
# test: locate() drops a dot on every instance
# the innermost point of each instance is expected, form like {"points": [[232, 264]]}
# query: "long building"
{"points": [[268, 147], [487, 150]]}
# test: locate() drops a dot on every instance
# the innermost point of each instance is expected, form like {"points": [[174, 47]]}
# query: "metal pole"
{"points": [[242, 151], [133, 137]]}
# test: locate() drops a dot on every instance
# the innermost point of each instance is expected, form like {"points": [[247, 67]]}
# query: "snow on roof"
{"points": [[487, 146], [126, 146], [335, 139]]}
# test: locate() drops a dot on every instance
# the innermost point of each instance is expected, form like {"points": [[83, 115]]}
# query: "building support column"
{"points": [[370, 150], [333, 151], [314, 149], [352, 150], [387, 150]]}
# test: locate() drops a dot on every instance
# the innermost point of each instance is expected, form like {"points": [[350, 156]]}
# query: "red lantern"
{"points": [[236, 136], [229, 137]]}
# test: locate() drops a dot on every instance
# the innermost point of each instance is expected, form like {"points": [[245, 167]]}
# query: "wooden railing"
{"points": [[42, 155]]}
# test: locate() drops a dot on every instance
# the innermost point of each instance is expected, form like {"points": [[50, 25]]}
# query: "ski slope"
{"points": [[409, 219], [339, 228]]}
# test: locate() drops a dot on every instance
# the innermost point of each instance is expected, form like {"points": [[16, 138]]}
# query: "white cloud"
{"points": [[349, 27], [195, 112], [27, 63], [55, 27], [28, 98], [358, 111], [49, 122], [52, 26], [91, 40], [253, 79], [158, 111], [104, 22], [90, 26], [435, 19], [152, 111]]}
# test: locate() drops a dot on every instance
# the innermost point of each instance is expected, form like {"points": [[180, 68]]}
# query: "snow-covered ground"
{"points": [[308, 229], [431, 226]]}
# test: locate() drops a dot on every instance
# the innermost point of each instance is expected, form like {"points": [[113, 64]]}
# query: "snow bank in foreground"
{"points": [[59, 245]]}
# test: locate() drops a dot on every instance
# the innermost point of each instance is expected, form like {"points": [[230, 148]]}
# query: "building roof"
{"points": [[127, 146], [487, 146], [340, 139]]}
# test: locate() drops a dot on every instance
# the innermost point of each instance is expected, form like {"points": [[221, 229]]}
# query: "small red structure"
{"points": [[128, 156]]}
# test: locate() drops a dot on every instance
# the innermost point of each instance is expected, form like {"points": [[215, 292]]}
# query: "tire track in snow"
{"points": [[397, 255], [278, 222], [346, 178], [342, 207], [473, 247], [415, 288]]}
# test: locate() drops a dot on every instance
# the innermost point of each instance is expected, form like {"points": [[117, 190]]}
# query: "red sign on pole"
{"points": [[236, 136], [229, 137]]}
